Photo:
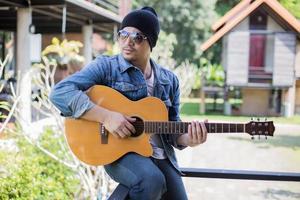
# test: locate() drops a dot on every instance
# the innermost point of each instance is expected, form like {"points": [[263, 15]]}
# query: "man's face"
{"points": [[133, 44]]}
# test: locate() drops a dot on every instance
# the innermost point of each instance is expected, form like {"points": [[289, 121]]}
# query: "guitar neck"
{"points": [[182, 127]]}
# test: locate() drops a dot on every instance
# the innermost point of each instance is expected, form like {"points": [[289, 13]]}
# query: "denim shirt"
{"points": [[70, 98]]}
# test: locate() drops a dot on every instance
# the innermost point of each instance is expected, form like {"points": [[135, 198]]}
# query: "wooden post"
{"points": [[227, 106], [124, 7], [202, 94], [87, 42], [24, 20]]}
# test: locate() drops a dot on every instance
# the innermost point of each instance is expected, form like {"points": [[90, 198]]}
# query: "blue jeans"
{"points": [[147, 178]]}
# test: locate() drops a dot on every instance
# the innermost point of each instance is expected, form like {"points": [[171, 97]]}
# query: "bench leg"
{"points": [[120, 193]]}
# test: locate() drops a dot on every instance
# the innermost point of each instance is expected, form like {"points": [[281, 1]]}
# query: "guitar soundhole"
{"points": [[139, 127]]}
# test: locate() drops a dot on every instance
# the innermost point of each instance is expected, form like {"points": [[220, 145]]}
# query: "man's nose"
{"points": [[129, 41]]}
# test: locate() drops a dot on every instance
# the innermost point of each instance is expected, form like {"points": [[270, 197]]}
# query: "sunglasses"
{"points": [[136, 37]]}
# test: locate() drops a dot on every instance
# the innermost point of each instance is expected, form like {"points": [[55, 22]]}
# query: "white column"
{"points": [[87, 43], [290, 101], [23, 64]]}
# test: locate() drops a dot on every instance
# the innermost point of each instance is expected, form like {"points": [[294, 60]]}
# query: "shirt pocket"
{"points": [[129, 90], [124, 86]]}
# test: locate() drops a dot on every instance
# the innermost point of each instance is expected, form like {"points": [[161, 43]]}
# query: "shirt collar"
{"points": [[124, 64], [160, 77]]}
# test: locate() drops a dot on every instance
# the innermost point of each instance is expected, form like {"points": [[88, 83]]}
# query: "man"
{"points": [[136, 76]]}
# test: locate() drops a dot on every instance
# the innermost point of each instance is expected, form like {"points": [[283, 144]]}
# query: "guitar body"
{"points": [[84, 137]]}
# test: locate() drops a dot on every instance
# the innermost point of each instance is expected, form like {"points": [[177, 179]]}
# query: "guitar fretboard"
{"points": [[182, 127]]}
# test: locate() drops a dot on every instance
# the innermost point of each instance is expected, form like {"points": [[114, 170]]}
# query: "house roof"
{"points": [[230, 14], [47, 15], [244, 9]]}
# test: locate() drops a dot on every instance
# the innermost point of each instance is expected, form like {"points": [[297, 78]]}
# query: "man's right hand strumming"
{"points": [[116, 123]]}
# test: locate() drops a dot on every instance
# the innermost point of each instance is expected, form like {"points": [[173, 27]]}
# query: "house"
{"points": [[72, 19], [261, 56]]}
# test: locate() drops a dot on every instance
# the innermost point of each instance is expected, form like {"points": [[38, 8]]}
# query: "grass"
{"points": [[190, 110]]}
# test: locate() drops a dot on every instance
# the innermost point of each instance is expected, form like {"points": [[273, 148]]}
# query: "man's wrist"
{"points": [[183, 140], [103, 115]]}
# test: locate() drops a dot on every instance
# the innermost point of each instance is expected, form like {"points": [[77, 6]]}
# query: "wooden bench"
{"points": [[121, 191]]}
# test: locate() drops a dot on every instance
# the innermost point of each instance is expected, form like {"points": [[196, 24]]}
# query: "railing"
{"points": [[112, 5], [121, 192], [259, 75]]}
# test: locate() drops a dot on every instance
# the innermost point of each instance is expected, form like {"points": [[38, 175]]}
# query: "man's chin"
{"points": [[128, 57]]}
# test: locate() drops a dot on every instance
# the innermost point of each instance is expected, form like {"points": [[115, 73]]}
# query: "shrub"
{"points": [[30, 174]]}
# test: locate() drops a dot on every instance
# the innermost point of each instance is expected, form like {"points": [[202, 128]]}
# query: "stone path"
{"points": [[238, 152]]}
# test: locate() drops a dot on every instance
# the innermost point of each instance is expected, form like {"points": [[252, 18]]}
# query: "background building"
{"points": [[261, 56]]}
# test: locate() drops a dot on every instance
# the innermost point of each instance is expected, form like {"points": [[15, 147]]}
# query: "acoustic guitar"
{"points": [[94, 145]]}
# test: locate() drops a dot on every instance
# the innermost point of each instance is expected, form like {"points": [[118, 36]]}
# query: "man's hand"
{"points": [[119, 125], [196, 135], [116, 123]]}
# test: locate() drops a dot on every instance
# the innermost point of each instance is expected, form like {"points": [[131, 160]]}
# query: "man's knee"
{"points": [[152, 185]]}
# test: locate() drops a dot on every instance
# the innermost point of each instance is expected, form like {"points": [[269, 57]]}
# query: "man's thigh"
{"points": [[131, 169]]}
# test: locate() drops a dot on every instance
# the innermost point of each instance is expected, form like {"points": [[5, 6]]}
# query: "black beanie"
{"points": [[144, 19]]}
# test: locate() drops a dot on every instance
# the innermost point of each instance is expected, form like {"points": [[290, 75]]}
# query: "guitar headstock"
{"points": [[264, 128]]}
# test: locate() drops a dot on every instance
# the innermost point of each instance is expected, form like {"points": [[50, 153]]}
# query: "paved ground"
{"points": [[237, 151], [231, 151]]}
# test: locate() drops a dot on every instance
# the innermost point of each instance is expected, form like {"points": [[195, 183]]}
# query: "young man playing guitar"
{"points": [[136, 76]]}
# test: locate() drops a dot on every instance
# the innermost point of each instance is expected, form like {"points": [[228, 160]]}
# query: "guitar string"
{"points": [[142, 125]]}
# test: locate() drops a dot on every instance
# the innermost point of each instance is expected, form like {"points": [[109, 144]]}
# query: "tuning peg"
{"points": [[266, 119], [252, 118], [258, 119], [252, 138], [266, 137]]}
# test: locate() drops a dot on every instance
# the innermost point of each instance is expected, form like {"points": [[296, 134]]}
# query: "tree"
{"points": [[185, 71], [190, 21], [213, 73], [293, 6], [223, 6]]}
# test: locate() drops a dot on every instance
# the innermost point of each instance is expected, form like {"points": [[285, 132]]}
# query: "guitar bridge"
{"points": [[104, 134]]}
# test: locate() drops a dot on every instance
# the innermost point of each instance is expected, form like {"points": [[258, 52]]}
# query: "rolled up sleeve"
{"points": [[69, 95]]}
